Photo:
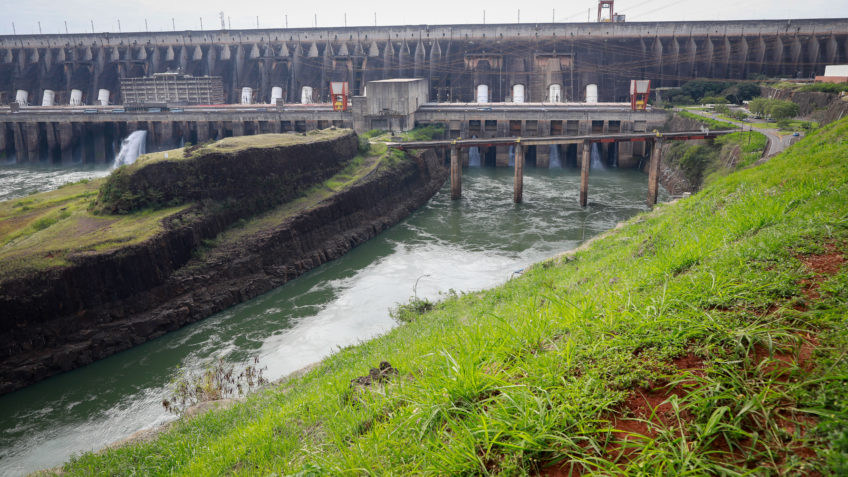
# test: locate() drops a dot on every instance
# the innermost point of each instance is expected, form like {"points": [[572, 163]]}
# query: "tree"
{"points": [[779, 109], [714, 100], [758, 106], [738, 114], [722, 109]]}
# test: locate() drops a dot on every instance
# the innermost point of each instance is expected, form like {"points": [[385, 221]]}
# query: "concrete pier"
{"points": [[654, 171], [518, 183], [585, 164], [455, 174]]}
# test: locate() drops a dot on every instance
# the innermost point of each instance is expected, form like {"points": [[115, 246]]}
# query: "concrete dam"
{"points": [[454, 58], [549, 64]]}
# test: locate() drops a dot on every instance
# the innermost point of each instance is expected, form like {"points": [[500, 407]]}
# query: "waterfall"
{"points": [[511, 156], [131, 147], [596, 156], [556, 161]]}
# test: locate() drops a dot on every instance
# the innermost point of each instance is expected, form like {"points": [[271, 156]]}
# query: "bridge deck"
{"points": [[552, 140]]}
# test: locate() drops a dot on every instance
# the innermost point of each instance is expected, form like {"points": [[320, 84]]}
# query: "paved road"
{"points": [[777, 141]]}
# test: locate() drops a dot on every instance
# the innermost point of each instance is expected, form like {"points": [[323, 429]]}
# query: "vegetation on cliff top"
{"points": [[45, 230], [703, 163], [707, 337]]}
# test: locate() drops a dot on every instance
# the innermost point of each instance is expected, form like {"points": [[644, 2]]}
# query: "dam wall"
{"points": [[455, 59]]}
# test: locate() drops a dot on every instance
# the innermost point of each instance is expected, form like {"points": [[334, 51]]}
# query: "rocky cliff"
{"points": [[64, 318]]}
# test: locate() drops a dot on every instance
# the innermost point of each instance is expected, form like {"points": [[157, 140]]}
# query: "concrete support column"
{"points": [[654, 172], [3, 141], [518, 182], [543, 156], [49, 130], [99, 143], [20, 144], [220, 126], [65, 135], [238, 128], [501, 156], [584, 173], [276, 127], [456, 174], [202, 131], [311, 124], [32, 142]]}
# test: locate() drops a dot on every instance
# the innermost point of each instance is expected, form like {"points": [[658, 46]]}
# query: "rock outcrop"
{"points": [[104, 303]]}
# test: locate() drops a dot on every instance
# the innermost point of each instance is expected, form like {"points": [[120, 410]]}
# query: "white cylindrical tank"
{"points": [[591, 93], [49, 97], [276, 93], [306, 95], [247, 95], [76, 97], [483, 93], [518, 93], [103, 97], [22, 97], [555, 93]]}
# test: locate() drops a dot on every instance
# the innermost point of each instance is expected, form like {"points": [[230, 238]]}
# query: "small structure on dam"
{"points": [[173, 88]]}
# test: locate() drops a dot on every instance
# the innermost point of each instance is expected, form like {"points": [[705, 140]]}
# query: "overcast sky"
{"points": [[187, 14]]}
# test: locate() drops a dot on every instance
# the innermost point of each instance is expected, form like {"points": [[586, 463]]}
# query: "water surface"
{"points": [[465, 245]]}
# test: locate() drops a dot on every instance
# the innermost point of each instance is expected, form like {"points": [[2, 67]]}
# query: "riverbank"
{"points": [[707, 336], [160, 256]]}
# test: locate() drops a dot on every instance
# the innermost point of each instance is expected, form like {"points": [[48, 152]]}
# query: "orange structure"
{"points": [[606, 5], [340, 93], [640, 91]]}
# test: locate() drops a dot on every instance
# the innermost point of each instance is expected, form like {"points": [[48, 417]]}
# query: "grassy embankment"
{"points": [[701, 164], [44, 230], [706, 337]]}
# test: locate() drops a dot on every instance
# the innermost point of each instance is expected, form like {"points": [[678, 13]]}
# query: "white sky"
{"points": [[187, 14]]}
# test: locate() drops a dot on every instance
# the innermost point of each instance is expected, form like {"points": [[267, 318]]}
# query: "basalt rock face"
{"points": [[821, 107], [72, 317]]}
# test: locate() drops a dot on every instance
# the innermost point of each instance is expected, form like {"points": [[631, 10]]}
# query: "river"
{"points": [[471, 244]]}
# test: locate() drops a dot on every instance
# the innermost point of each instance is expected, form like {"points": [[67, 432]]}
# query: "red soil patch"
{"points": [[823, 265], [644, 412]]}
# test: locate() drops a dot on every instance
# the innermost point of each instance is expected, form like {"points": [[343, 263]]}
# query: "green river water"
{"points": [[470, 244]]}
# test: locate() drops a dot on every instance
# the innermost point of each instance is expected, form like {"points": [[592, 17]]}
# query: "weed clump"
{"points": [[218, 380]]}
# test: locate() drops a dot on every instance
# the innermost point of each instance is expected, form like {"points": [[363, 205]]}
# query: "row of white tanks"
{"points": [[49, 97], [306, 95], [277, 93], [554, 93]]}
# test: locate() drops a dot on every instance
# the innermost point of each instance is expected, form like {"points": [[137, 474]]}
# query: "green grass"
{"points": [[43, 230], [545, 369], [704, 163], [47, 230]]}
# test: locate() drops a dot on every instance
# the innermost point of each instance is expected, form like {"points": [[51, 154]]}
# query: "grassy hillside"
{"points": [[706, 337]]}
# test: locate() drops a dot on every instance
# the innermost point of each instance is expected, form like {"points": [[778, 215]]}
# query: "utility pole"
{"points": [[345, 16], [92, 26], [221, 17], [145, 25], [316, 20], [375, 18], [201, 23], [519, 16], [66, 27], [484, 17], [173, 24], [119, 25], [39, 27], [553, 16], [257, 21], [14, 32], [287, 21]]}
